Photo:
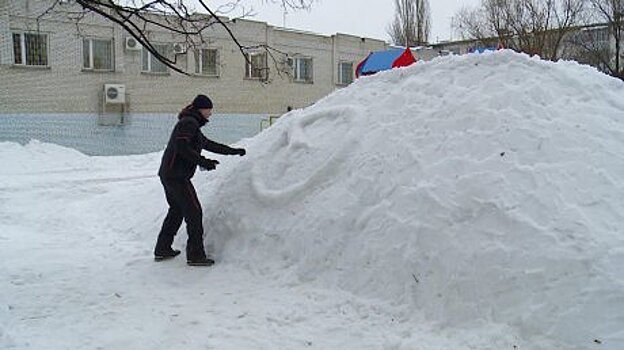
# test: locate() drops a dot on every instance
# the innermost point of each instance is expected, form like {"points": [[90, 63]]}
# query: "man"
{"points": [[178, 165]]}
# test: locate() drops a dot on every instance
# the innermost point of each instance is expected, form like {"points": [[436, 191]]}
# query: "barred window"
{"points": [[345, 73], [601, 35], [30, 49], [256, 65], [207, 62], [150, 63], [303, 69], [97, 54]]}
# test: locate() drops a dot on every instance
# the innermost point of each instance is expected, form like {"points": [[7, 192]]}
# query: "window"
{"points": [[150, 63], [588, 35], [207, 62], [601, 35], [30, 49], [449, 51], [592, 39], [97, 54], [256, 65], [302, 69], [345, 73], [598, 36]]}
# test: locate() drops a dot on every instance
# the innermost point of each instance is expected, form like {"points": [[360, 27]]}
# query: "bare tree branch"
{"points": [[611, 12], [412, 23], [138, 17], [531, 26]]}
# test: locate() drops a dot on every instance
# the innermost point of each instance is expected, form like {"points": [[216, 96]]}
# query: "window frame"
{"points": [[249, 70], [296, 64], [199, 62], [340, 71], [150, 58], [91, 67], [23, 54], [601, 36]]}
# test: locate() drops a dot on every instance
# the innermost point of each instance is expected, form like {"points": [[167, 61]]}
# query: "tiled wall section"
{"points": [[142, 133]]}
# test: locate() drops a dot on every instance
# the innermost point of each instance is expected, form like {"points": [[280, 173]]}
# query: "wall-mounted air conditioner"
{"points": [[179, 48], [132, 44], [114, 93]]}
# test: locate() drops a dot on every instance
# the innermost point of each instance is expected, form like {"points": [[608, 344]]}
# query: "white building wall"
{"points": [[64, 87], [5, 35]]}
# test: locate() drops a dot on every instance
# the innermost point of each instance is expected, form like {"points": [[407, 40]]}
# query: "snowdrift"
{"points": [[476, 190]]}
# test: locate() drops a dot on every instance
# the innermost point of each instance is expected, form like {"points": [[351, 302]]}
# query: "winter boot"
{"points": [[167, 254], [200, 262]]}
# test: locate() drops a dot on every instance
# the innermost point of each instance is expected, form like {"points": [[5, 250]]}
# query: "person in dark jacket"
{"points": [[178, 165]]}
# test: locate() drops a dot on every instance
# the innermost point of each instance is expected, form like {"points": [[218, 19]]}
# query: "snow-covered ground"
{"points": [[471, 202]]}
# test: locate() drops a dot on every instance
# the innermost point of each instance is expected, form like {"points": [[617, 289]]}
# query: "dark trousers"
{"points": [[183, 204]]}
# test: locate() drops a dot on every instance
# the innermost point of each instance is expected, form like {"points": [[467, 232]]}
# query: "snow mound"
{"points": [[475, 189], [35, 156]]}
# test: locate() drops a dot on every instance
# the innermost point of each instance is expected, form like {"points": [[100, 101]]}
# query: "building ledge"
{"points": [[27, 67], [97, 71], [205, 76], [156, 74]]}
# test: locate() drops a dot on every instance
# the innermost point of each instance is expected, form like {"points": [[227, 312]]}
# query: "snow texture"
{"points": [[470, 202]]}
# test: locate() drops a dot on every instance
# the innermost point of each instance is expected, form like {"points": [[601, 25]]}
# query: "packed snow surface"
{"points": [[470, 202]]}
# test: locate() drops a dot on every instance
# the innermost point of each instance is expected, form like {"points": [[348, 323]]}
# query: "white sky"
{"points": [[357, 17]]}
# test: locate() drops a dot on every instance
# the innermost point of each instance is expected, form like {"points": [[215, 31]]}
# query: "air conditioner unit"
{"points": [[132, 44], [179, 48], [114, 93], [286, 65]]}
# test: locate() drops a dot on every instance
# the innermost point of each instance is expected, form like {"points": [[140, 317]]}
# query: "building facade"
{"points": [[58, 65]]}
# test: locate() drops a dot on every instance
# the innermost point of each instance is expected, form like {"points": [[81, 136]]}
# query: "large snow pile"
{"points": [[476, 190]]}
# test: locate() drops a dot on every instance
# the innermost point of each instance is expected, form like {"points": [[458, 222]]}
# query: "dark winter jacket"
{"points": [[183, 152]]}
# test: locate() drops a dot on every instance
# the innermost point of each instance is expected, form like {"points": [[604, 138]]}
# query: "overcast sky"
{"points": [[368, 18]]}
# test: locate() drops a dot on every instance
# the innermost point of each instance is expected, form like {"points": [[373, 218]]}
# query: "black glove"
{"points": [[208, 164], [241, 151]]}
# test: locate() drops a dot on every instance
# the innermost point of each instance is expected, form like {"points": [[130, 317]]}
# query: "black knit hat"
{"points": [[202, 101]]}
